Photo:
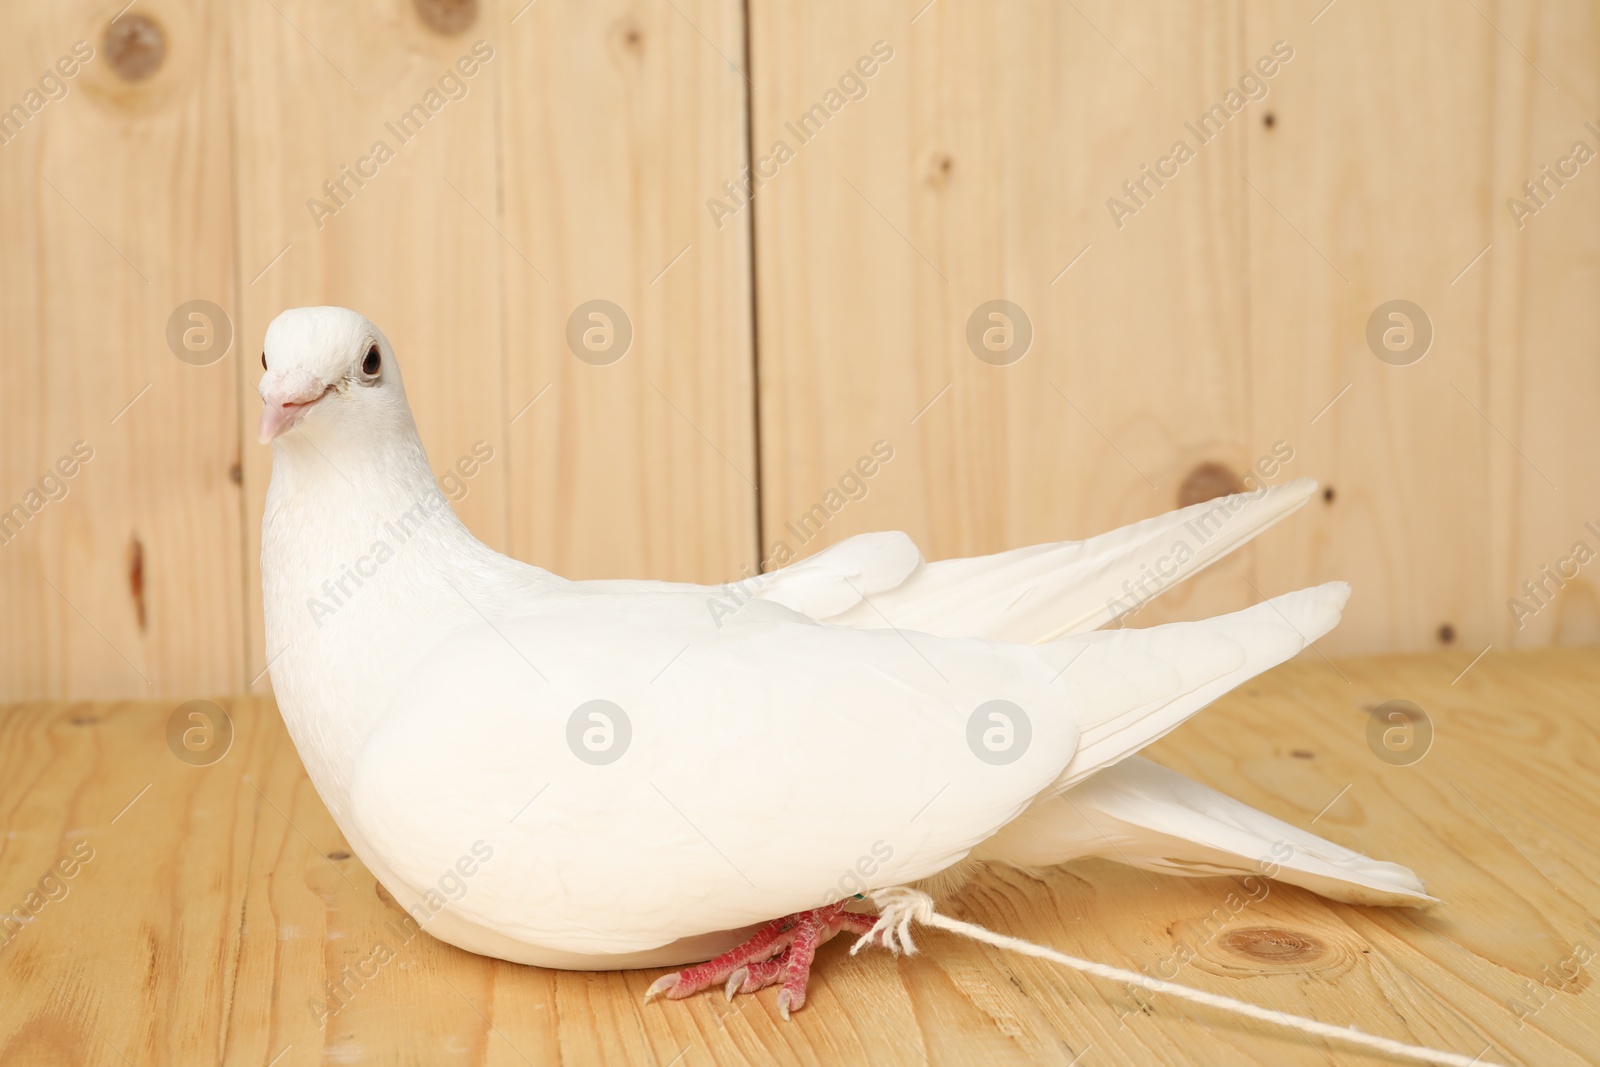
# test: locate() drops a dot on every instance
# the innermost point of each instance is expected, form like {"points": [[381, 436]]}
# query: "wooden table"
{"points": [[208, 905]]}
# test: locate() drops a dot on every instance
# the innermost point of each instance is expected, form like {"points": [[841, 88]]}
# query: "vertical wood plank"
{"points": [[979, 166], [618, 121], [1397, 143], [588, 160], [1541, 321], [413, 247], [1356, 204], [116, 208]]}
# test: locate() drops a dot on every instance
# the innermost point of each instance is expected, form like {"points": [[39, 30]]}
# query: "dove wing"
{"points": [[1042, 592], [826, 584], [842, 576], [1027, 595], [763, 766]]}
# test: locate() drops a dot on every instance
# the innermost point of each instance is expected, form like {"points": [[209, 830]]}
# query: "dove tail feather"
{"points": [[1132, 687], [1147, 816]]}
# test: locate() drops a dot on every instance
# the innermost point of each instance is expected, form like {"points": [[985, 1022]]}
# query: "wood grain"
{"points": [[1539, 309], [115, 206], [618, 120], [1387, 175], [219, 902], [1226, 315], [978, 167], [1175, 347]]}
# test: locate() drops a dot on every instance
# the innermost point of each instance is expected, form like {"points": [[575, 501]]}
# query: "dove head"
{"points": [[330, 369]]}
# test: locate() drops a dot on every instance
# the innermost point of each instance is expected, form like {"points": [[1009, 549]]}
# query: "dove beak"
{"points": [[280, 413]]}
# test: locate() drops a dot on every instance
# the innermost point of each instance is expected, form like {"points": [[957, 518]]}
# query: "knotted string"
{"points": [[900, 906]]}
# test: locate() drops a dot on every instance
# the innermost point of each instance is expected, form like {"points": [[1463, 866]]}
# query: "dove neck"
{"points": [[335, 500], [354, 474], [357, 544]]}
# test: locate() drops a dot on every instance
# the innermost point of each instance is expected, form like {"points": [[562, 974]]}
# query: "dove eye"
{"points": [[370, 365], [263, 361]]}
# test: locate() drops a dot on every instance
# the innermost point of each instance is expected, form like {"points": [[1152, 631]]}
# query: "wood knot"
{"points": [[136, 579], [447, 17], [1207, 482], [338, 854], [940, 166], [1273, 944], [1447, 634], [627, 39], [388, 899], [134, 45]]}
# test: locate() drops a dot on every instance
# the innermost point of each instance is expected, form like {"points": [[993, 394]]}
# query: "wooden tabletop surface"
{"points": [[193, 912]]}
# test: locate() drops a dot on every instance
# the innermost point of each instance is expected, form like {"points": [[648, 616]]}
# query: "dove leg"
{"points": [[786, 965], [782, 950], [766, 942], [813, 930]]}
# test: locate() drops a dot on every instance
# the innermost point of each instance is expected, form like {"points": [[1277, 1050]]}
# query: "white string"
{"points": [[899, 906]]}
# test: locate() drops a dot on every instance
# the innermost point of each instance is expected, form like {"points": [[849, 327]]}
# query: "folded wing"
{"points": [[1040, 592]]}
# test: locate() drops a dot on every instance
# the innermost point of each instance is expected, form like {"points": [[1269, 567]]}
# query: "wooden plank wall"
{"points": [[116, 206], [914, 161], [1218, 315]]}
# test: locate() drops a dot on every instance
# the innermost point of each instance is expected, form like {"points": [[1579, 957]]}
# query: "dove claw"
{"points": [[661, 985], [780, 951]]}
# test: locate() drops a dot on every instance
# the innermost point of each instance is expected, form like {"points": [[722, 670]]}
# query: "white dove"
{"points": [[619, 774]]}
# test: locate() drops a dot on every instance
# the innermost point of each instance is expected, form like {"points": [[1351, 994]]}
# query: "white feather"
{"points": [[1041, 592], [778, 749], [1141, 813]]}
